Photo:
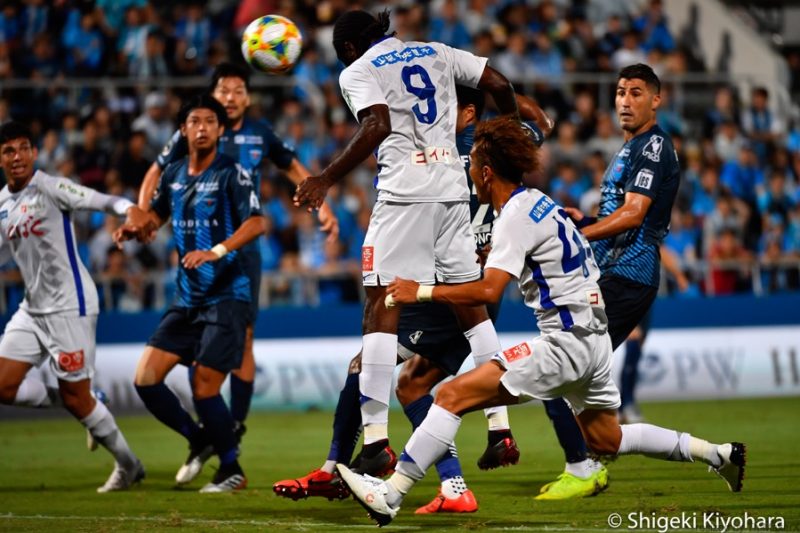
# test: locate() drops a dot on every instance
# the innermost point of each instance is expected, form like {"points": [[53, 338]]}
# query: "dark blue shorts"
{"points": [[212, 335], [627, 304], [432, 331]]}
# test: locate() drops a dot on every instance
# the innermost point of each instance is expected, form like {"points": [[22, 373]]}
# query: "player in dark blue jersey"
{"points": [[248, 142], [215, 213], [637, 194]]}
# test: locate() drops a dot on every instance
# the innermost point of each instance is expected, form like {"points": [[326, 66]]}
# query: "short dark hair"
{"points": [[229, 70], [761, 91], [468, 95], [15, 130], [203, 101], [360, 28], [643, 72], [504, 145]]}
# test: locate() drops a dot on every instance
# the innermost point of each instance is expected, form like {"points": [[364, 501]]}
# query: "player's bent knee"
{"points": [[447, 397], [8, 392]]}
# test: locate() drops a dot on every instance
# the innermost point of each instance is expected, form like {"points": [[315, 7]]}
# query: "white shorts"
{"points": [[575, 365], [67, 341], [425, 242]]}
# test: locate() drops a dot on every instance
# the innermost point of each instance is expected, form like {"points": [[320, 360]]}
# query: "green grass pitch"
{"points": [[48, 478]]}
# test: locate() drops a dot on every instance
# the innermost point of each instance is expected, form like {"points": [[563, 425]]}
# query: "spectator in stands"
{"points": [[630, 53], [741, 176], [546, 58], [566, 187], [51, 153], [92, 161], [773, 200], [606, 139], [728, 141], [652, 24], [730, 264], [724, 111], [155, 123], [730, 213], [132, 38], [585, 116], [683, 238], [446, 27], [132, 163], [150, 64], [514, 60], [119, 288], [704, 193], [760, 124], [612, 38], [83, 42], [193, 34], [566, 149]]}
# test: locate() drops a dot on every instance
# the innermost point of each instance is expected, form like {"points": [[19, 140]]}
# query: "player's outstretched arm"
{"points": [[501, 90], [375, 126], [629, 216], [297, 172], [149, 185], [250, 229], [487, 290]]}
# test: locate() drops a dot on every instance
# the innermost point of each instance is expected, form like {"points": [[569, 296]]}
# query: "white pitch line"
{"points": [[177, 520]]}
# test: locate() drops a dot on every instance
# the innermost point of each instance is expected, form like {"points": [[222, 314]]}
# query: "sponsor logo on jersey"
{"points": [[414, 337], [71, 361], [3, 214], [248, 139], [644, 179], [255, 155], [254, 203], [408, 54], [25, 208], [243, 177], [176, 186], [367, 258], [652, 150], [193, 223], [517, 352], [431, 155], [71, 189], [26, 229], [625, 152], [209, 186], [541, 208]]}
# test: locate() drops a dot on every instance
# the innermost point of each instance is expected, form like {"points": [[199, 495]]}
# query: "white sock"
{"points": [[32, 392], [484, 343], [454, 487], [429, 442], [583, 469], [654, 441], [378, 359], [103, 428], [704, 451], [329, 466]]}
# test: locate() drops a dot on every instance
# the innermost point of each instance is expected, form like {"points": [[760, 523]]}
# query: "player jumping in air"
{"points": [[537, 244]]}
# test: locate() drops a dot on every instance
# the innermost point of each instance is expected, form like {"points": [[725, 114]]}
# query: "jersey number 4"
{"points": [[427, 92], [570, 262]]}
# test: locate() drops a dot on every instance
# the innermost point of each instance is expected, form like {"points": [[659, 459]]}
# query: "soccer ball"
{"points": [[272, 44]]}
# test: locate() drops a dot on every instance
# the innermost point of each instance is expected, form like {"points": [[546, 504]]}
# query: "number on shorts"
{"points": [[427, 93]]}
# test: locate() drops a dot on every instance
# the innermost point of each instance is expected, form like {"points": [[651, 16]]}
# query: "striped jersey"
{"points": [[254, 141], [206, 209], [647, 164], [482, 215], [37, 232], [418, 161], [536, 242]]}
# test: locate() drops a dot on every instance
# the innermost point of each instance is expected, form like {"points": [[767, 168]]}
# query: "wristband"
{"points": [[425, 293], [219, 250]]}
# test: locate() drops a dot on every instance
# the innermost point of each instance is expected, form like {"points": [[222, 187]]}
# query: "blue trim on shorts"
{"points": [[73, 262]]}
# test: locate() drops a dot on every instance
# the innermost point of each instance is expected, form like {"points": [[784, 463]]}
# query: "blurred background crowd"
{"points": [[100, 82]]}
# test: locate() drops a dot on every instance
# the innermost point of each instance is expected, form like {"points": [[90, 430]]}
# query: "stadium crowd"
{"points": [[738, 206]]}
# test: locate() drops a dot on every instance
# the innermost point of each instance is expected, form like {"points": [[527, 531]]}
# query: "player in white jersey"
{"points": [[403, 95], [535, 242], [56, 321]]}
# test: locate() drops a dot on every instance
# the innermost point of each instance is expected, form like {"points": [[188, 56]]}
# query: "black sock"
{"points": [[346, 422], [218, 423], [166, 407], [567, 430]]}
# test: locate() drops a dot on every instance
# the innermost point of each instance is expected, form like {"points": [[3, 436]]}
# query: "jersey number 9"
{"points": [[427, 92]]}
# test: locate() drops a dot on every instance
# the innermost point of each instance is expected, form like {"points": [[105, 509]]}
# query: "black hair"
{"points": [[360, 29], [468, 95], [229, 70], [643, 72], [203, 101], [15, 130]]}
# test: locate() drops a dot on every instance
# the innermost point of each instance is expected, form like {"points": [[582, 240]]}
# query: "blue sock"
{"points": [[630, 372], [241, 394], [567, 430], [166, 407], [346, 422], [448, 466], [218, 423]]}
